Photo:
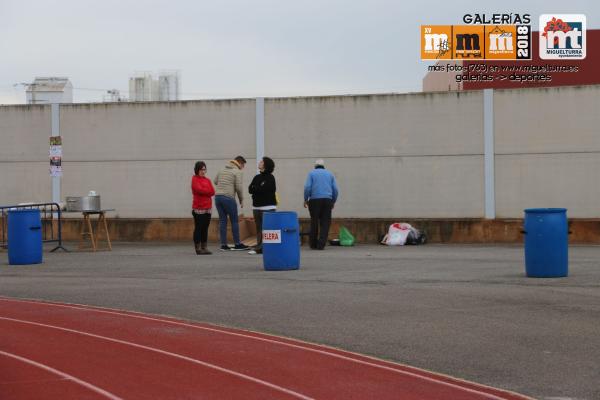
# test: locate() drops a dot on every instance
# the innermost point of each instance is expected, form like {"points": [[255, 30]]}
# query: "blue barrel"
{"points": [[281, 241], [546, 242], [24, 237]]}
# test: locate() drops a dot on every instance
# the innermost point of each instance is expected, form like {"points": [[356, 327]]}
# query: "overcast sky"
{"points": [[234, 48]]}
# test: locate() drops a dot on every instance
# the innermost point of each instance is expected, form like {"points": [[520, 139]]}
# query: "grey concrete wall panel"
{"points": [[24, 163], [547, 120], [377, 125], [414, 155], [25, 182], [158, 131], [548, 180], [547, 150], [24, 133]]}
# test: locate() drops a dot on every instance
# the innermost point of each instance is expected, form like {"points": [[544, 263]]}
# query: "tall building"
{"points": [[168, 86], [48, 90], [140, 87], [143, 87]]}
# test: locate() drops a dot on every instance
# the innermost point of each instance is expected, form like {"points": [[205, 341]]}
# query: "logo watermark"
{"points": [[562, 36]]}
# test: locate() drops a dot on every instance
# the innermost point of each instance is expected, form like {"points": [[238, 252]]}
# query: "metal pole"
{"points": [[260, 129], [488, 153], [55, 132]]}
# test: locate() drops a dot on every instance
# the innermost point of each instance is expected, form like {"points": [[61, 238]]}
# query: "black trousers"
{"points": [[258, 221], [201, 223], [320, 220]]}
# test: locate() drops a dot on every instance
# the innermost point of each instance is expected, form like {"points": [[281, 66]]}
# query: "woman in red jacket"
{"points": [[202, 190]]}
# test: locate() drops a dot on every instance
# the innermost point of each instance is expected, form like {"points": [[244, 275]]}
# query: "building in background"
{"points": [[439, 81], [48, 90], [143, 86], [587, 70], [140, 87], [169, 86]]}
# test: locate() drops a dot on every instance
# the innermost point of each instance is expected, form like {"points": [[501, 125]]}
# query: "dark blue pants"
{"points": [[226, 207]]}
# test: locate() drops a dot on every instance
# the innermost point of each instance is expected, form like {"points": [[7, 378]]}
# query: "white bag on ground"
{"points": [[397, 234]]}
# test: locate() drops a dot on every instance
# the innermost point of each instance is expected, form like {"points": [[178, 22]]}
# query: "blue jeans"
{"points": [[226, 206]]}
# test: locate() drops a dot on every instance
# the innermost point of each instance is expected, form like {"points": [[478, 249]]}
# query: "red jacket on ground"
{"points": [[203, 190]]}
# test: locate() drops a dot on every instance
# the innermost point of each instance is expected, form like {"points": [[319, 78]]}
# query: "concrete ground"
{"points": [[463, 310]]}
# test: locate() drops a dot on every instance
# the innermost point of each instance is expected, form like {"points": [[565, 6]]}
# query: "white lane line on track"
{"points": [[25, 381], [167, 353], [300, 345], [64, 375]]}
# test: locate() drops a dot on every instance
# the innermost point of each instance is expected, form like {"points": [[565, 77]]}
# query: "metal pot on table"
{"points": [[83, 203]]}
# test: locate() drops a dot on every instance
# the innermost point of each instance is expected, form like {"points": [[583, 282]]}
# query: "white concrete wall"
{"points": [[140, 156], [414, 155], [417, 155], [24, 162], [547, 144]]}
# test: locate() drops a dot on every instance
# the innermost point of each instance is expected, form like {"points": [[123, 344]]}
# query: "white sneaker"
{"points": [[252, 252]]}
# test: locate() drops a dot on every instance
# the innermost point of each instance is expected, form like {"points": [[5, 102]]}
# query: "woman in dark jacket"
{"points": [[202, 191], [262, 188]]}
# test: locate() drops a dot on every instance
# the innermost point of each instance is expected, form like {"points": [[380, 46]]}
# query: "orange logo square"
{"points": [[436, 42], [500, 42], [469, 41]]}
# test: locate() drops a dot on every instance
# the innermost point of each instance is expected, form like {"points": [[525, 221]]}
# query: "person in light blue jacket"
{"points": [[320, 195]]}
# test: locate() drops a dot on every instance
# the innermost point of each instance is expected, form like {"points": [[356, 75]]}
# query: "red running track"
{"points": [[61, 351]]}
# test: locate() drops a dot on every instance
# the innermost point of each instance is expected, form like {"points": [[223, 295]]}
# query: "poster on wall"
{"points": [[55, 170], [55, 154], [55, 151], [55, 166]]}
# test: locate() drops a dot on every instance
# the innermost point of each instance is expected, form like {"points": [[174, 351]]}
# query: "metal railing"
{"points": [[51, 231]]}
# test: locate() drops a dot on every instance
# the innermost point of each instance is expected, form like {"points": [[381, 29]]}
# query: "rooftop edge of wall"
{"points": [[456, 93]]}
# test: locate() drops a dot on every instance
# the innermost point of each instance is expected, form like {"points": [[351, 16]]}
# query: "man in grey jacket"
{"points": [[228, 183]]}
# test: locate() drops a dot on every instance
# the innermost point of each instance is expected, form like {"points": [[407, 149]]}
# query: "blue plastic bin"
{"points": [[281, 241], [546, 242], [24, 237]]}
